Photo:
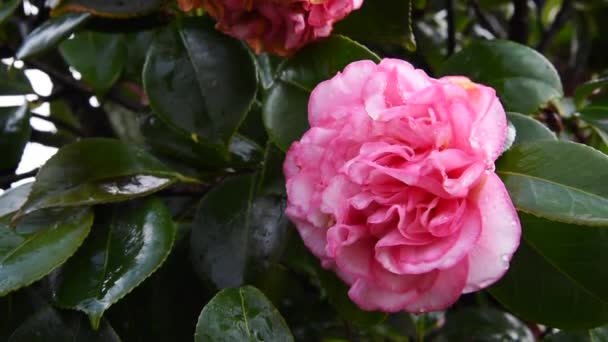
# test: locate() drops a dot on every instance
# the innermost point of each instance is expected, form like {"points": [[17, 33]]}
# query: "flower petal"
{"points": [[500, 234]]}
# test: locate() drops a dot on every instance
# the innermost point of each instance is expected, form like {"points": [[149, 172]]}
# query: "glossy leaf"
{"points": [[95, 171], [557, 180], [7, 8], [128, 243], [596, 116], [337, 294], [242, 314], [586, 89], [556, 277], [483, 324], [51, 33], [38, 244], [99, 58], [14, 134], [200, 80], [172, 298], [285, 110], [112, 9], [13, 199], [529, 130], [523, 78], [385, 22], [13, 81], [50, 324], [176, 145], [233, 218]]}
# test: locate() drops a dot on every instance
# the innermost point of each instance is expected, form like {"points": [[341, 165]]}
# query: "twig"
{"points": [[519, 26], [449, 5], [60, 124], [484, 21], [7, 180], [560, 20]]}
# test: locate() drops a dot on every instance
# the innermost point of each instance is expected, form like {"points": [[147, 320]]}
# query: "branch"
{"points": [[449, 5], [519, 26], [7, 180], [60, 124], [560, 20], [484, 21]]}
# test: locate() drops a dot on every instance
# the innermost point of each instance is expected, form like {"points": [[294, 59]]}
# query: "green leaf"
{"points": [[98, 57], [13, 81], [242, 314], [557, 276], [596, 116], [387, 22], [13, 199], [15, 132], [557, 180], [285, 110], [529, 130], [483, 324], [337, 293], [51, 33], [111, 9], [237, 235], [7, 8], [523, 78], [586, 89], [200, 80], [50, 324], [174, 144], [172, 298], [128, 243], [95, 171], [38, 244]]}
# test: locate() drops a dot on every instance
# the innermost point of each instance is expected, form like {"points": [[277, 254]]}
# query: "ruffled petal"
{"points": [[500, 234]]}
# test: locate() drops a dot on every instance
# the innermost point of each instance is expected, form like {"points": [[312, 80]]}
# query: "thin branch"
{"points": [[484, 21], [449, 6], [519, 25], [60, 124], [560, 20], [7, 180]]}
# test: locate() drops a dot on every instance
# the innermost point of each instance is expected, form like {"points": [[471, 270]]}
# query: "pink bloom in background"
{"points": [[393, 187], [278, 26]]}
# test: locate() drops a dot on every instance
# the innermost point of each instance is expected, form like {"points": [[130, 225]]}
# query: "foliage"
{"points": [[161, 216]]}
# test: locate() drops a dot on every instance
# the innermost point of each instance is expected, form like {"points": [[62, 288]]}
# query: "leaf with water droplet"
{"points": [[94, 171], [232, 217], [242, 314], [38, 244], [200, 81], [129, 242]]}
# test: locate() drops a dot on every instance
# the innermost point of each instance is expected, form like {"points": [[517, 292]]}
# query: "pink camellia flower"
{"points": [[393, 186], [278, 26]]}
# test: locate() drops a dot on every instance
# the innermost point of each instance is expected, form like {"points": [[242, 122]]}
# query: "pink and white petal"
{"points": [[369, 296], [444, 292], [355, 259], [401, 282], [500, 234], [342, 90], [490, 128]]}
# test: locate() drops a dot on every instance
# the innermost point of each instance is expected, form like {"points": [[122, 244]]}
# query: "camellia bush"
{"points": [[303, 170]]}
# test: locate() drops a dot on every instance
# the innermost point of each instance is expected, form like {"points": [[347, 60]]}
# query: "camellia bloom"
{"points": [[393, 187], [278, 26]]}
